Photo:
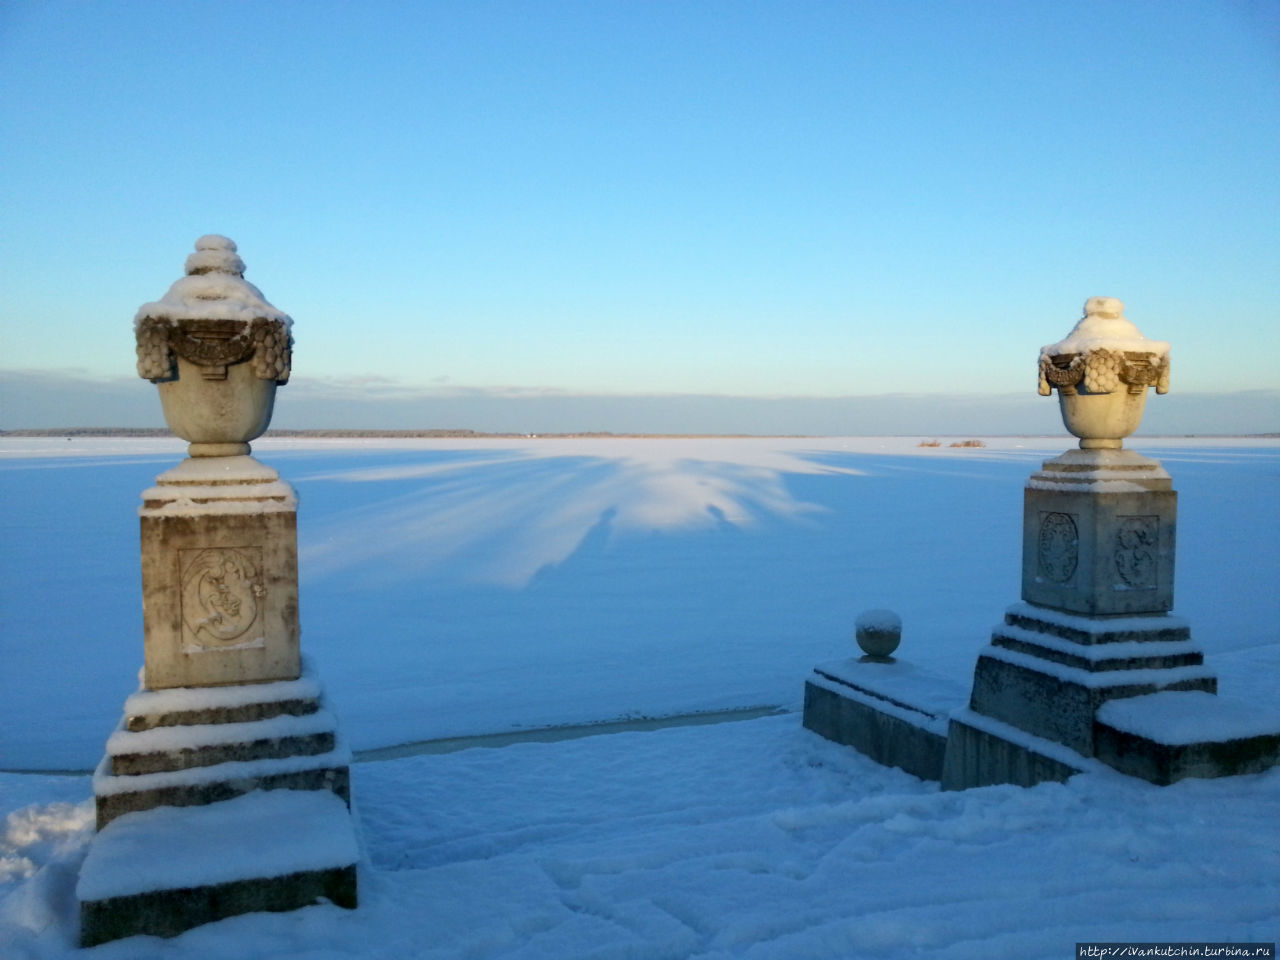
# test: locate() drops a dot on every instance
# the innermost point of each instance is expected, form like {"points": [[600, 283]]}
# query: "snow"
{"points": [[465, 587], [1096, 627], [1095, 486], [1097, 652], [878, 620], [915, 716], [135, 853], [145, 702], [204, 471], [194, 736], [203, 485], [1104, 327], [219, 294], [1104, 678], [444, 581], [211, 296], [899, 682], [642, 845], [1191, 716], [104, 782]]}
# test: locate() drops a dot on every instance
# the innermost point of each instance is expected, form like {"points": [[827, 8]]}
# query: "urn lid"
{"points": [[1104, 327], [213, 289]]}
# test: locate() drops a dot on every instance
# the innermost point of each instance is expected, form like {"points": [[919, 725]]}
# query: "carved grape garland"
{"points": [[214, 345]]}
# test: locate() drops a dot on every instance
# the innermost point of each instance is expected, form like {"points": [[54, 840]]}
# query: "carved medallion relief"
{"points": [[1059, 547], [222, 596], [1136, 547]]}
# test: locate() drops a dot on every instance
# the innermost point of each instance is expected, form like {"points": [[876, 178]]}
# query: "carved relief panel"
{"points": [[222, 597], [1059, 547], [1136, 553]]}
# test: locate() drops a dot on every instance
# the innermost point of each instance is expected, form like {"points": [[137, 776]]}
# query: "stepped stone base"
{"points": [[165, 871], [1048, 673], [191, 773], [1168, 737], [187, 747]]}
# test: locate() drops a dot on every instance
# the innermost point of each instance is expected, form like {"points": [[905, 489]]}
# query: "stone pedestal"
{"points": [[219, 575], [1098, 534]]}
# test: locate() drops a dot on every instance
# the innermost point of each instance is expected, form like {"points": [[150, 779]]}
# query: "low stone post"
{"points": [[228, 736]]}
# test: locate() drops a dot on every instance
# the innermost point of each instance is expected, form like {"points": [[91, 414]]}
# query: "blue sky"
{"points": [[744, 199]]}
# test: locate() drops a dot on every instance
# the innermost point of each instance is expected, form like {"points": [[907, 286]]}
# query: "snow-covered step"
{"points": [[163, 748], [183, 747], [276, 850], [1166, 737], [117, 795]]}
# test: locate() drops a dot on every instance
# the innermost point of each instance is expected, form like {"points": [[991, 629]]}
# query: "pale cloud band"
{"points": [[49, 399]]}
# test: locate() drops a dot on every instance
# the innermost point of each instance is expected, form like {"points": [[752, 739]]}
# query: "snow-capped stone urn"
{"points": [[217, 350], [1102, 371], [225, 788]]}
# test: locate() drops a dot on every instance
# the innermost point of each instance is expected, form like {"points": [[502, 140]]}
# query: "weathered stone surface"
{"points": [[167, 913], [336, 779], [1089, 631], [895, 739], [1170, 736], [893, 712], [878, 633], [220, 576], [244, 713], [130, 764], [1059, 702], [232, 410], [225, 747], [1101, 371], [1096, 540], [979, 754], [1098, 645], [1165, 763]]}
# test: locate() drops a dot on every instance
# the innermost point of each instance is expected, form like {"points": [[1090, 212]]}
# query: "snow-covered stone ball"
{"points": [[878, 633]]}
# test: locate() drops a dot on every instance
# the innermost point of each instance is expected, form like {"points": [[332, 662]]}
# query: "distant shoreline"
{"points": [[452, 434]]}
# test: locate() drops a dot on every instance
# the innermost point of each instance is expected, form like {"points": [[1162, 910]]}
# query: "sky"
{"points": [[669, 216]]}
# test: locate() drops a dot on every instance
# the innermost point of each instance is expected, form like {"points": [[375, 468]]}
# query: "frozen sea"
{"points": [[456, 588]]}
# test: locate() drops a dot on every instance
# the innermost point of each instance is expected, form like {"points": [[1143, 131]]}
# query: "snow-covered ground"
{"points": [[465, 587]]}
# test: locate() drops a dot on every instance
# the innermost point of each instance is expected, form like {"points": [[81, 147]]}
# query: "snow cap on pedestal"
{"points": [[213, 289]]}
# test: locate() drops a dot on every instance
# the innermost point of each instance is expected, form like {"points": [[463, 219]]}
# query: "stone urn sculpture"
{"points": [[1102, 370], [217, 350]]}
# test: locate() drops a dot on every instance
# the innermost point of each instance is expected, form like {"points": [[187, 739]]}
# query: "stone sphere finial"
{"points": [[1101, 372], [878, 633]]}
